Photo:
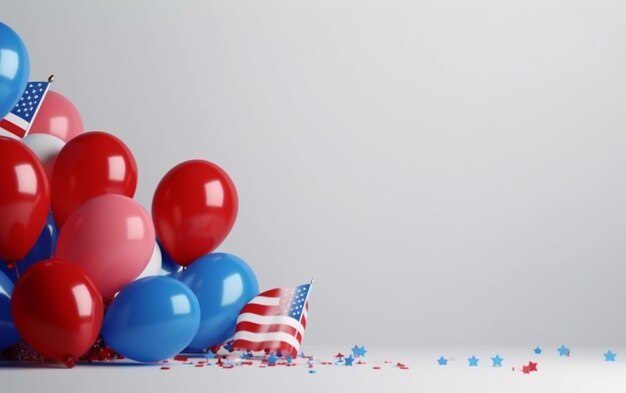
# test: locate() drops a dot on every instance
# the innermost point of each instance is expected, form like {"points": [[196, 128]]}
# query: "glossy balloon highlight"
{"points": [[57, 117], [223, 284], [57, 310], [111, 237], [92, 164], [194, 208], [152, 319], [24, 199], [14, 69]]}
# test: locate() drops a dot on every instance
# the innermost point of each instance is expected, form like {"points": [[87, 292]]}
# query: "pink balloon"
{"points": [[111, 237], [57, 116]]}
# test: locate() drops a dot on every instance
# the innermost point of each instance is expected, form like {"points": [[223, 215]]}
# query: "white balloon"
{"points": [[154, 265], [46, 148]]}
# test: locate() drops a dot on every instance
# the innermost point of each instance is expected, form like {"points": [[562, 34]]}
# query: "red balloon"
{"points": [[57, 310], [24, 199], [194, 208], [58, 117], [92, 164]]}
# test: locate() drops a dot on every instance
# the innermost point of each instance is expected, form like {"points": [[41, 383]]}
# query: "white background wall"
{"points": [[449, 171]]}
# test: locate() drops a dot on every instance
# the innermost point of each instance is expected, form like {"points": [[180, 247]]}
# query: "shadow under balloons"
{"points": [[61, 366]]}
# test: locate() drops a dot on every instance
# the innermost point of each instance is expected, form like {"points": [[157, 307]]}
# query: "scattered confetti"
{"points": [[339, 355], [609, 356], [442, 361], [359, 351], [473, 361], [349, 361], [563, 351], [538, 351], [165, 368], [497, 361]]}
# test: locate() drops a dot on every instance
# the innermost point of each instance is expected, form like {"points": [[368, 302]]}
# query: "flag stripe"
{"points": [[12, 128], [269, 320], [256, 328], [274, 320], [263, 310], [18, 121], [265, 301], [276, 292]]}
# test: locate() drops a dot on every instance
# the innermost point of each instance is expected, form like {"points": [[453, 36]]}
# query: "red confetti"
{"points": [[376, 367], [339, 355], [532, 366], [181, 358], [165, 368]]}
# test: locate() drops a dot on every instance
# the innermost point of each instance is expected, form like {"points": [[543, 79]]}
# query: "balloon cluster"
{"points": [[73, 240]]}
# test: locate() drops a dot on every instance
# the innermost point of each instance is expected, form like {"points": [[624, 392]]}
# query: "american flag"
{"points": [[274, 321], [18, 121]]}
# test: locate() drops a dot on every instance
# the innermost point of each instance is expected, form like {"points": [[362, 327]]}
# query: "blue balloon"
{"points": [[14, 69], [168, 266], [43, 249], [223, 284], [151, 319], [8, 332]]}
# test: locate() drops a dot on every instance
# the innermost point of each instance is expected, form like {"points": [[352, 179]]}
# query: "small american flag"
{"points": [[274, 321], [18, 121]]}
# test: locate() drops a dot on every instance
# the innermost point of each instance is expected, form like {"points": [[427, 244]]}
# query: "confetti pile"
{"points": [[226, 358]]}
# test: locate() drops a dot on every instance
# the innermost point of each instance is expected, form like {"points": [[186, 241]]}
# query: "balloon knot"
{"points": [[70, 362]]}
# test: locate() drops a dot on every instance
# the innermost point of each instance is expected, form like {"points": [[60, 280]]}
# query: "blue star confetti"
{"points": [[442, 361], [349, 360], [563, 350], [359, 351], [537, 351], [497, 361], [609, 356], [271, 360], [473, 361]]}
